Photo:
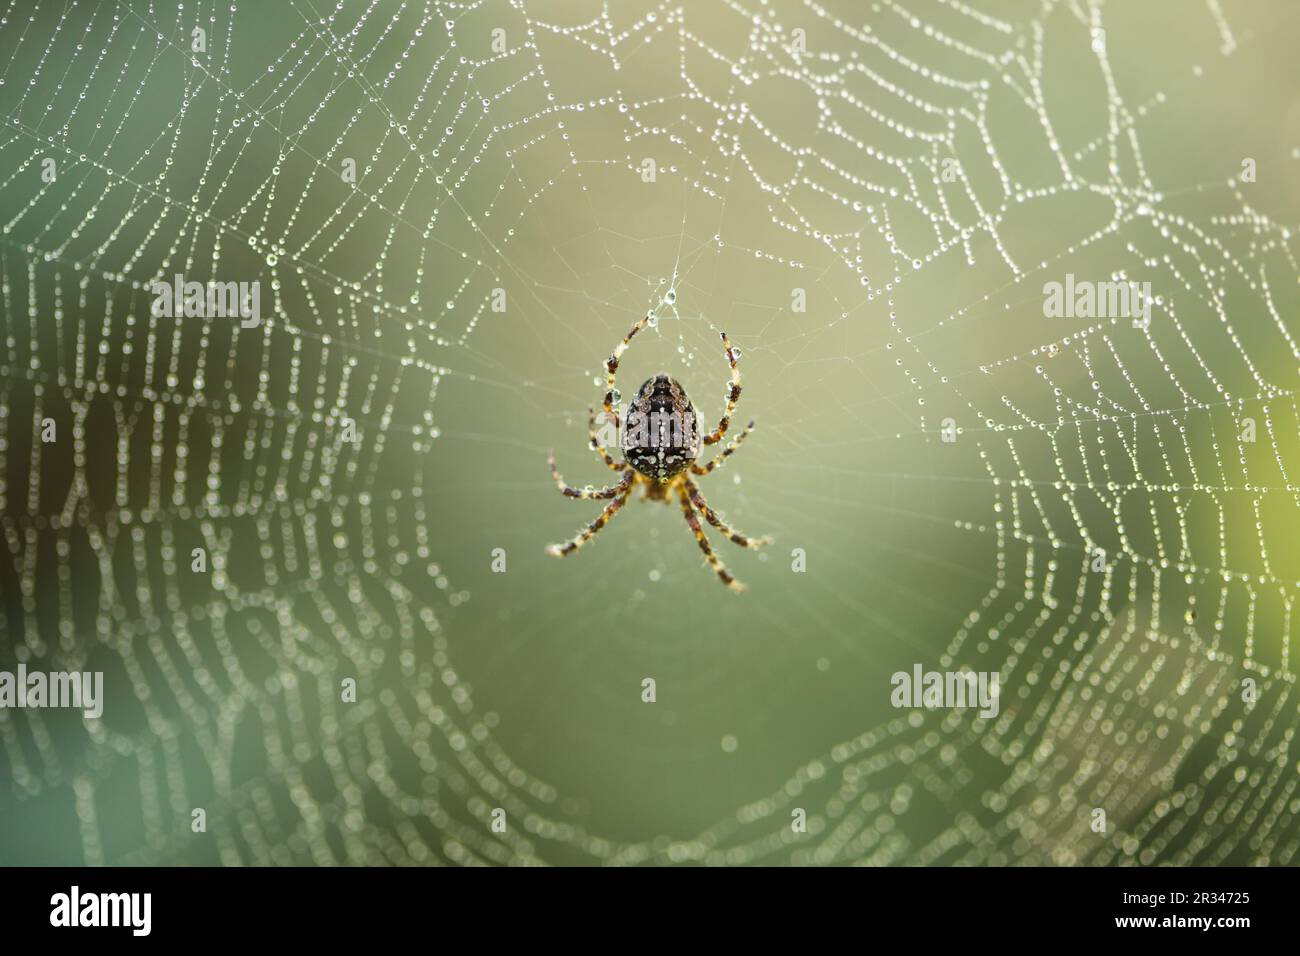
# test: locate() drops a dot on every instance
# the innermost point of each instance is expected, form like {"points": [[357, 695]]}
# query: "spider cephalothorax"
{"points": [[660, 445], [661, 436]]}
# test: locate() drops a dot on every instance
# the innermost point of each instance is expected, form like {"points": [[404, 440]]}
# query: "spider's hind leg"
{"points": [[693, 520], [589, 532], [697, 499]]}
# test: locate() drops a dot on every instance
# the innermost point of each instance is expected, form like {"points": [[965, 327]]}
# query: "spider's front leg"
{"points": [[733, 396], [589, 492], [611, 366], [693, 520], [697, 499], [596, 446]]}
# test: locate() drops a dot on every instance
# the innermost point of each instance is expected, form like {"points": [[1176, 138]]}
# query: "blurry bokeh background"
{"points": [[911, 174]]}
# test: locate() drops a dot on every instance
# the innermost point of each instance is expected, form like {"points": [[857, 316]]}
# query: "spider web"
{"points": [[868, 200]]}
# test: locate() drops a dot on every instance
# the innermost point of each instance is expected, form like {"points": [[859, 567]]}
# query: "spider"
{"points": [[660, 445]]}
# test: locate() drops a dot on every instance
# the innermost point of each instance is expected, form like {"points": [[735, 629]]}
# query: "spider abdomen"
{"points": [[661, 436]]}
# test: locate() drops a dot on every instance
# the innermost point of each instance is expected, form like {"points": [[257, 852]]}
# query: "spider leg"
{"points": [[702, 506], [589, 492], [611, 364], [724, 454], [589, 532], [693, 520], [596, 446], [733, 395]]}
